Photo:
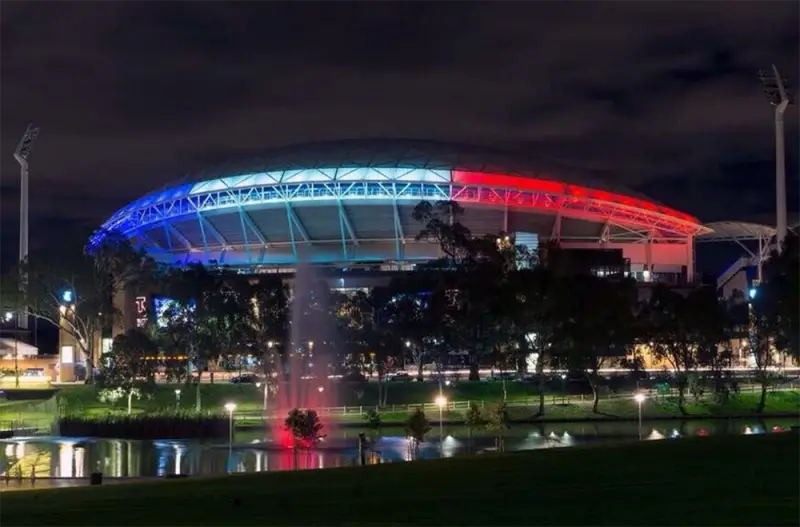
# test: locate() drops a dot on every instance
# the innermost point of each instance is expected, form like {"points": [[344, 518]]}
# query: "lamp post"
{"points": [[230, 407], [177, 398], [639, 398], [267, 371], [563, 386], [441, 401]]}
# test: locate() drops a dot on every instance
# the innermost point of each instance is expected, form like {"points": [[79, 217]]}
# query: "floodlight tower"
{"points": [[21, 154], [778, 95]]}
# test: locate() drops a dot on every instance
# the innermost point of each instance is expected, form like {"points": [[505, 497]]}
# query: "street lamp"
{"points": [[441, 402], [320, 389], [177, 398], [266, 390], [639, 398], [563, 385], [230, 407]]}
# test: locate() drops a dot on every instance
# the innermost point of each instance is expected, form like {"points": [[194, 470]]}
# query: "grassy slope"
{"points": [[746, 480]]}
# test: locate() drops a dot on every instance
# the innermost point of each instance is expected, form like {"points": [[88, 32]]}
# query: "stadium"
{"points": [[348, 205]]}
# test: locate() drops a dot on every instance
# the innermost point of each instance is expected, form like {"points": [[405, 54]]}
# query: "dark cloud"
{"points": [[659, 96]]}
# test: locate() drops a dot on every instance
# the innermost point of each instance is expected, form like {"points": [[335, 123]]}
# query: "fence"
{"points": [[520, 402]]}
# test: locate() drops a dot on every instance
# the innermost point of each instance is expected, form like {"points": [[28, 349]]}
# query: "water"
{"points": [[256, 452], [310, 346]]}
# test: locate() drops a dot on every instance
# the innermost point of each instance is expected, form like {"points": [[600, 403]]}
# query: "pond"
{"points": [[254, 451]]}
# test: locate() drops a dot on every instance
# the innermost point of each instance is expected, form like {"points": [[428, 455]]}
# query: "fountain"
{"points": [[305, 366]]}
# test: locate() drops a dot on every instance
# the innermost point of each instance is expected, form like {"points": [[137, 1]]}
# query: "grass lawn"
{"points": [[83, 400], [786, 402], [733, 480]]}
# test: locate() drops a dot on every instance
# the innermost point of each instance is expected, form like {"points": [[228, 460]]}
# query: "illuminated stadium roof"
{"points": [[351, 201]]}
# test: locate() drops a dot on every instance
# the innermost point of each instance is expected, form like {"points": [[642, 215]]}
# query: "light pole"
{"points": [[639, 398], [21, 154], [177, 398], [563, 386], [441, 401], [778, 95], [230, 407]]}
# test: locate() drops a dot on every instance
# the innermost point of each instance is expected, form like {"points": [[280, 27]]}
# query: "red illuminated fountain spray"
{"points": [[303, 370]]}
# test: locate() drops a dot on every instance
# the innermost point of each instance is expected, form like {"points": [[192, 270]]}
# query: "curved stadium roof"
{"points": [[352, 200]]}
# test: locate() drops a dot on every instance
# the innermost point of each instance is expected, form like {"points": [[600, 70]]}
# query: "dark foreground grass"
{"points": [[750, 480]]}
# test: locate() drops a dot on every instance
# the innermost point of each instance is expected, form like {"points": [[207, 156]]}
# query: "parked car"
{"points": [[246, 378], [399, 376]]}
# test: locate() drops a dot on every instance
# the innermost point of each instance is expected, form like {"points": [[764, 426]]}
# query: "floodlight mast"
{"points": [[21, 154], [775, 88]]}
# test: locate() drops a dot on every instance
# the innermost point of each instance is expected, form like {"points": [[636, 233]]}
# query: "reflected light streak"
{"points": [[66, 460]]}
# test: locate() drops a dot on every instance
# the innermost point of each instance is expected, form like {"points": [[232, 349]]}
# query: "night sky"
{"points": [[659, 96]]}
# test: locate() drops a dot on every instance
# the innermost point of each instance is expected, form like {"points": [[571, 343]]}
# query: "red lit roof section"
{"points": [[564, 189]]}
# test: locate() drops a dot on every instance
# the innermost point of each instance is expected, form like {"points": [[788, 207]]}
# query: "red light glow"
{"points": [[678, 219]]}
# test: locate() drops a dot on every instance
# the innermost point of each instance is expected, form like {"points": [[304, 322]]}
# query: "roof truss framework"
{"points": [[628, 222]]}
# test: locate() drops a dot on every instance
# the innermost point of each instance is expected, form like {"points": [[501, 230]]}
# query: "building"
{"points": [[347, 206]]}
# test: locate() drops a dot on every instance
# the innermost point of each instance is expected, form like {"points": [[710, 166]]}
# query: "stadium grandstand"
{"points": [[348, 205]]}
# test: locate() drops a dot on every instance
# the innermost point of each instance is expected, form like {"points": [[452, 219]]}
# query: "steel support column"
{"points": [[345, 225], [399, 235], [214, 232], [290, 221], [176, 233], [203, 234], [244, 235]]}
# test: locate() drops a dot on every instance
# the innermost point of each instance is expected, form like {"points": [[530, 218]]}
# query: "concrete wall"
{"points": [[664, 257]]}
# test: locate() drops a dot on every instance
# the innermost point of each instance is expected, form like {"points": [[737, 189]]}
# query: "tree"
{"points": [[596, 330], [473, 420], [305, 428], [675, 326], [364, 318], [264, 304], [539, 293], [441, 225], [413, 315], [131, 364], [417, 426], [76, 289], [497, 424], [187, 321], [766, 335]]}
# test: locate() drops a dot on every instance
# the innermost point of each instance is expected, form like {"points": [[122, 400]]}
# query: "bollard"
{"points": [[96, 478]]}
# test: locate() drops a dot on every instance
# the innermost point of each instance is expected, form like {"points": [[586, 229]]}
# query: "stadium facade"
{"points": [[347, 208], [348, 205]]}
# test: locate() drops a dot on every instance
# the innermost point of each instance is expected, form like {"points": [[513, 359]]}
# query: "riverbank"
{"points": [[249, 416], [779, 404], [488, 489]]}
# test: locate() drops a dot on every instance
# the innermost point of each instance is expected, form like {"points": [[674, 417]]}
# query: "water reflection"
{"points": [[253, 452]]}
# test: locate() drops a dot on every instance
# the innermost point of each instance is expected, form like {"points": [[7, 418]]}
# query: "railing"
{"points": [[26, 427], [735, 267]]}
